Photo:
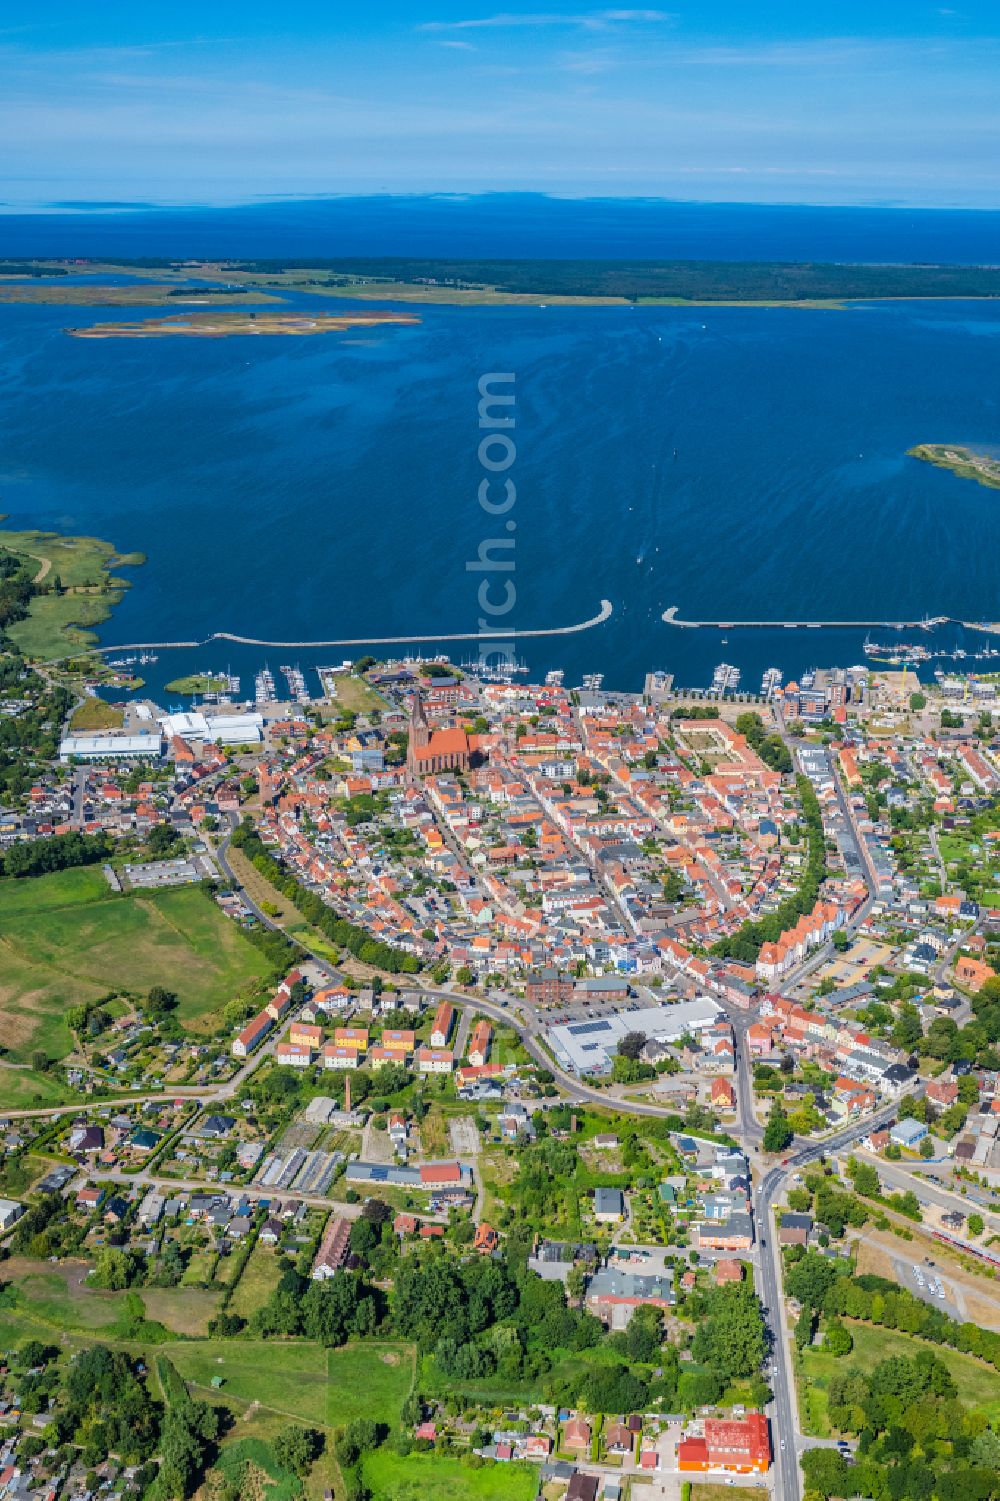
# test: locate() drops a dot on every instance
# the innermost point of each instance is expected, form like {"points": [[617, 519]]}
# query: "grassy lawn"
{"points": [[290, 1378], [370, 1380], [96, 714], [978, 1385], [65, 938], [723, 1493], [325, 1388], [355, 695], [25, 1089], [260, 1277], [427, 1477], [57, 1297], [199, 1269], [284, 1486]]}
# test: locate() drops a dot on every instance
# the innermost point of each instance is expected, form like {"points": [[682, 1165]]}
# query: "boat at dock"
{"points": [[264, 686]]}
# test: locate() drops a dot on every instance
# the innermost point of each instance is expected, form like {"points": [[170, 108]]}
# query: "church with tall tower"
{"points": [[429, 752]]}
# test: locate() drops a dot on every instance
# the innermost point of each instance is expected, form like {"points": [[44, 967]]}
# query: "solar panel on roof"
{"points": [[584, 1029]]}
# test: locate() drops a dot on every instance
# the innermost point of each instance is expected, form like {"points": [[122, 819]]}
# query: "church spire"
{"points": [[420, 732]]}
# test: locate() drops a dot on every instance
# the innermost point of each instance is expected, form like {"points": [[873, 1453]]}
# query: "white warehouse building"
{"points": [[107, 747], [587, 1047]]}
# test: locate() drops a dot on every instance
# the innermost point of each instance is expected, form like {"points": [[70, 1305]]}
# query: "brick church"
{"points": [[430, 752]]}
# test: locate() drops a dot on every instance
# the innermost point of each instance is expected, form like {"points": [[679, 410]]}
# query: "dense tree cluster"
{"points": [[329, 1311], [917, 1440], [37, 857], [31, 736], [188, 1431], [731, 1336], [771, 749], [17, 588]]}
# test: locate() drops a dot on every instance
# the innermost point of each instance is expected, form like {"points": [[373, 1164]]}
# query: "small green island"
{"points": [[54, 589], [981, 467], [198, 682]]}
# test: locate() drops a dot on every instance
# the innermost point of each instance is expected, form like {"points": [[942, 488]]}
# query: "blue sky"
{"points": [[807, 102]]}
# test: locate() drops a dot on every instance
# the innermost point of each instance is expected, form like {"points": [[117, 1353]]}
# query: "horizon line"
{"points": [[111, 208]]}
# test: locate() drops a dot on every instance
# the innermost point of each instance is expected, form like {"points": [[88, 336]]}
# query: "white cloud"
{"points": [[594, 20]]}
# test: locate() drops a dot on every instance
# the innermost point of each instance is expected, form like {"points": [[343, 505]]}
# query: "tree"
{"points": [[644, 1335], [463, 975], [841, 941], [864, 1177], [357, 1438], [808, 1280], [296, 1448], [732, 1338], [632, 1045], [114, 1270], [976, 1224], [805, 1328], [614, 1388], [777, 1133], [918, 701], [576, 1281], [827, 1473], [160, 1002], [839, 1340], [329, 1308], [162, 840], [907, 1031], [377, 1211]]}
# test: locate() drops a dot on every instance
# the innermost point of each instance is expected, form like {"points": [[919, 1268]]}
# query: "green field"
{"points": [[260, 1277], [356, 695], [196, 682], [326, 1388], [440, 1477], [284, 1486], [978, 1384], [26, 1089], [57, 1299], [96, 714], [65, 939]]}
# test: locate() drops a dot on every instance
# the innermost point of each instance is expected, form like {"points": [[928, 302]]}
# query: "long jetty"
{"points": [[603, 614], [670, 617]]}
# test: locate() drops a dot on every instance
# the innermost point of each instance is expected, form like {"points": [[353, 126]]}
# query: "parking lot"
{"points": [[930, 1284]]}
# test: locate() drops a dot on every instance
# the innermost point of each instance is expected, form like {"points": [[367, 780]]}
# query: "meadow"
{"points": [[260, 1277], [302, 1380], [65, 939], [978, 1384], [439, 1477], [59, 623], [50, 1300]]}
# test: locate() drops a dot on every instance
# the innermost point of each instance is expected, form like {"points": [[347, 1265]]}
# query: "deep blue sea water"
{"points": [[519, 225], [305, 488]]}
